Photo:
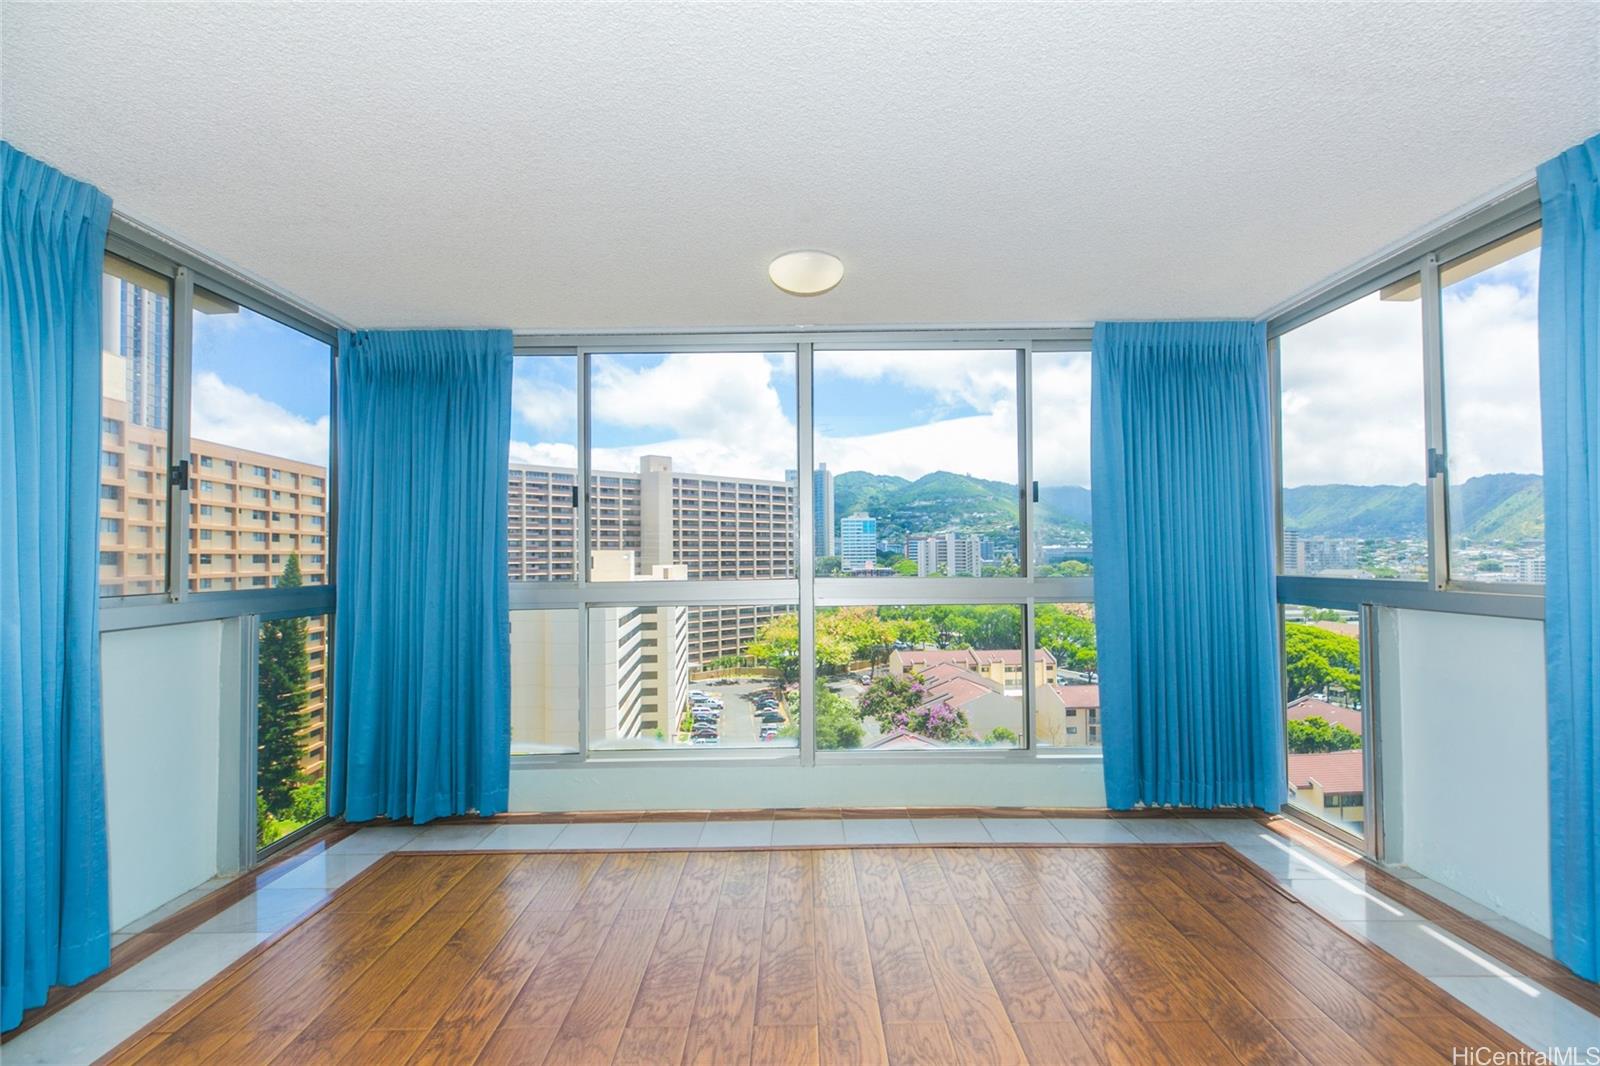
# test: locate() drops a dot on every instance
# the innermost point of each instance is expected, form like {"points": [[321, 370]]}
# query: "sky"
{"points": [[906, 413], [1352, 385], [261, 385], [1352, 399]]}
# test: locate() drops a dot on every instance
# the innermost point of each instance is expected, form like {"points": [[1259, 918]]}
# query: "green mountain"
{"points": [[1508, 508], [944, 500], [1505, 508]]}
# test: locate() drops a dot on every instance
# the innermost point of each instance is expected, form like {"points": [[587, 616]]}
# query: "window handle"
{"points": [[1035, 492], [1438, 465], [178, 475], [574, 497]]}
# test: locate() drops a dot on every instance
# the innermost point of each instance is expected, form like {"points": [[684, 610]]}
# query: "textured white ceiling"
{"points": [[556, 166]]}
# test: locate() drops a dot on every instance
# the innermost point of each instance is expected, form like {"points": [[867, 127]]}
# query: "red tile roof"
{"points": [[1339, 773], [1079, 696], [1311, 706], [971, 658]]}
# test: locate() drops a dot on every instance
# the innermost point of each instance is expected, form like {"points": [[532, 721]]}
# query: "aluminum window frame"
{"points": [[1513, 213], [805, 590]]}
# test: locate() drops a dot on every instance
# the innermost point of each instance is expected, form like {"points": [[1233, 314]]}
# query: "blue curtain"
{"points": [[54, 909], [1569, 388], [1183, 566], [422, 650]]}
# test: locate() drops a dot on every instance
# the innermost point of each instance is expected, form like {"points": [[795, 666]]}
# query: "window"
{"points": [[544, 682], [1489, 305], [918, 452], [542, 515], [907, 679], [692, 464], [260, 388], [1353, 441], [291, 726], [1326, 723], [681, 678], [1062, 525], [136, 409], [1066, 699]]}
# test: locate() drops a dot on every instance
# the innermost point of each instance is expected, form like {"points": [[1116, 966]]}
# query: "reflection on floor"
{"points": [[1119, 907]]}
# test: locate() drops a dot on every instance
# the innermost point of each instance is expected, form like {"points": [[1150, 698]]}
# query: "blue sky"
{"points": [[1352, 385], [261, 385], [907, 413]]}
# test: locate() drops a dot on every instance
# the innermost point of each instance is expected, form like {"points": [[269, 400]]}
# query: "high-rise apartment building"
{"points": [[822, 518], [858, 542], [946, 554], [715, 527], [136, 327]]}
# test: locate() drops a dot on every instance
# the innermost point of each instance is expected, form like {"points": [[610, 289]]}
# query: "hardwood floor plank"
{"points": [[979, 1027], [1193, 1043], [849, 1024], [544, 998], [744, 881], [836, 880], [922, 876], [666, 994], [477, 1009], [784, 1045], [787, 989], [651, 1046], [918, 1044], [1055, 1044], [517, 1046], [594, 1022], [725, 1006], [900, 970]]}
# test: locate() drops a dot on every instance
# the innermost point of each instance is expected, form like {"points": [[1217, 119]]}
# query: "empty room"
{"points": [[764, 533]]}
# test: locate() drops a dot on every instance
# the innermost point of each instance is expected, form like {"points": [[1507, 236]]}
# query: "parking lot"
{"points": [[738, 726]]}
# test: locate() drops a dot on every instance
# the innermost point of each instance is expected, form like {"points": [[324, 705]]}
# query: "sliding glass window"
{"points": [[542, 479], [1489, 303], [916, 464], [259, 430], [1353, 442], [135, 428], [1062, 523], [692, 466]]}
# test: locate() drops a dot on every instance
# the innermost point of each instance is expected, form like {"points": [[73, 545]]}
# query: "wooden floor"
{"points": [[1121, 954]]}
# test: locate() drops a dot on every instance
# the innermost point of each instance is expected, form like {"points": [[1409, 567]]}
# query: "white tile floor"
{"points": [[1532, 1013]]}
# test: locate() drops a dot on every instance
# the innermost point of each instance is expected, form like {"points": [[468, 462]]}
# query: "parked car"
{"points": [[703, 740], [770, 716]]}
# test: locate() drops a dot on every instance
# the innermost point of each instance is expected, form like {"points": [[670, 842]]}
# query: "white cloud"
{"points": [[545, 406], [1353, 393], [544, 454], [980, 380], [226, 414]]}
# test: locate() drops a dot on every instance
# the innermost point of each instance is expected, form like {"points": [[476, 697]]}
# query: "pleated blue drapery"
{"points": [[1569, 393], [54, 909], [1184, 600], [422, 650]]}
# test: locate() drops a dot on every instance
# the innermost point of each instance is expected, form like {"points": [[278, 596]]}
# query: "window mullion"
{"points": [[178, 443], [805, 551], [1438, 465]]}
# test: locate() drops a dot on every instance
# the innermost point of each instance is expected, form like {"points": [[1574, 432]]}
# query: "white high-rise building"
{"points": [[947, 554], [858, 542]]}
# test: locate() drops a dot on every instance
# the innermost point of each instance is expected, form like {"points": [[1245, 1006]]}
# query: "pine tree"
{"points": [[284, 672]]}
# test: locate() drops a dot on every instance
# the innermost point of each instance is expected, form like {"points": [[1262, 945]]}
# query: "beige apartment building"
{"points": [[717, 528]]}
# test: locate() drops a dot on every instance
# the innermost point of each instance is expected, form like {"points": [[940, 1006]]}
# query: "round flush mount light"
{"points": [[806, 273]]}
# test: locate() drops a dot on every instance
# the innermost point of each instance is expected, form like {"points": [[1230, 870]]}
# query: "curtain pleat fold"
{"points": [[422, 651], [1569, 389], [1185, 605], [54, 906]]}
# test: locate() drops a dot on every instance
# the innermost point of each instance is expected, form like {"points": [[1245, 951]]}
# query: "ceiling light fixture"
{"points": [[806, 273]]}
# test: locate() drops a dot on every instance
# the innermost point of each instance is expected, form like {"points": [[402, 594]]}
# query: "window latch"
{"points": [[574, 497], [179, 475], [1035, 492], [1437, 466]]}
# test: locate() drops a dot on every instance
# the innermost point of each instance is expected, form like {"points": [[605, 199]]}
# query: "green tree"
{"points": [[838, 724], [1318, 660], [283, 675], [889, 695], [1067, 632], [829, 566], [1314, 733], [1000, 735]]}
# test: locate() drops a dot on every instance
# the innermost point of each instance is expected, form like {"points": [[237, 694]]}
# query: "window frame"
{"points": [[1440, 591], [805, 589]]}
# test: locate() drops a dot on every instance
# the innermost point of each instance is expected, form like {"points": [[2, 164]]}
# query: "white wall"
{"points": [[162, 708], [1065, 782], [1467, 800]]}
